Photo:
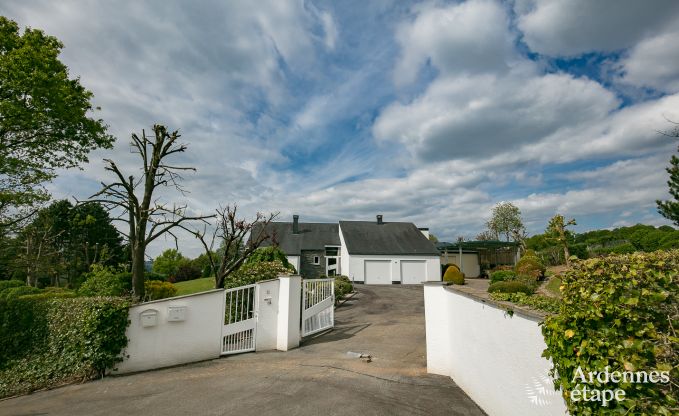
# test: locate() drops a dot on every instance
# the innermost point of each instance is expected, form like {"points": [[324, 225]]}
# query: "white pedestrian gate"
{"points": [[318, 305], [240, 320]]}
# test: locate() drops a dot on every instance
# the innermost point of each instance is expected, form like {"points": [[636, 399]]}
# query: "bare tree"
{"points": [[147, 218], [231, 233]]}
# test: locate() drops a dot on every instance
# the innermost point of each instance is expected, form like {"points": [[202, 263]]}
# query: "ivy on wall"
{"points": [[47, 340], [620, 312]]}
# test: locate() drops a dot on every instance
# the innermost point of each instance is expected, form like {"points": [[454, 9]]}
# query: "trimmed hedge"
{"points": [[156, 289], [502, 275], [619, 312], [454, 275], [6, 284], [343, 286], [539, 302], [510, 286], [47, 340]]}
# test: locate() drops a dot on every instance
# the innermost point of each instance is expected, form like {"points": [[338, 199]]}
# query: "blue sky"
{"points": [[430, 112]]}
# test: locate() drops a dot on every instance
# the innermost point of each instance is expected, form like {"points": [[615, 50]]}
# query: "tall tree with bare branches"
{"points": [[146, 216], [237, 238]]}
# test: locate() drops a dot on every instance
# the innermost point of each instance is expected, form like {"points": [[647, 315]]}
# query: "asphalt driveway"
{"points": [[319, 378]]}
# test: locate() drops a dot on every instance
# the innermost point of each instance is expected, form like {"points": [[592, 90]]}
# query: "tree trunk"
{"points": [[567, 254], [138, 271]]}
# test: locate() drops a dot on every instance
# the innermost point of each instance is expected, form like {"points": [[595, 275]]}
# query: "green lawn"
{"points": [[552, 286], [195, 286]]}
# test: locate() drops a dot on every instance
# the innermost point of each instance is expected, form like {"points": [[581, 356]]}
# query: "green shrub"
{"points": [[530, 267], [530, 253], [47, 341], [343, 286], [186, 271], [621, 312], [453, 275], [510, 286], [155, 289], [106, 281], [15, 292], [445, 267], [250, 273], [152, 276], [502, 275], [269, 254], [539, 302], [6, 284]]}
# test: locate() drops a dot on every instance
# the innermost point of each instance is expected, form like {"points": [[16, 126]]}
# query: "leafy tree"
{"points": [[506, 220], [670, 208], [168, 262], [556, 231], [267, 254], [202, 263], [147, 218], [44, 119], [64, 241]]}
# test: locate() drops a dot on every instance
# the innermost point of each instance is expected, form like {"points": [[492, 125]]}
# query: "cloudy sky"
{"points": [[425, 112]]}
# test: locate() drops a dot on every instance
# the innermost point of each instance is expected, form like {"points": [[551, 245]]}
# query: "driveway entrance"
{"points": [[320, 377]]}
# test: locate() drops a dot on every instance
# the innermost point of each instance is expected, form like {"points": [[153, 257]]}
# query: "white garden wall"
{"points": [[186, 329], [167, 343], [494, 357]]}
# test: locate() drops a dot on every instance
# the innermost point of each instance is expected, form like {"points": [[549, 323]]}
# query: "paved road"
{"points": [[319, 378]]}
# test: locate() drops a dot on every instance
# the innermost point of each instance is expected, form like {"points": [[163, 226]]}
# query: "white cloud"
{"points": [[573, 27], [468, 37], [485, 115], [653, 63]]}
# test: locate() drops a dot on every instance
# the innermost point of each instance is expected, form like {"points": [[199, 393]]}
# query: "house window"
{"points": [[332, 251], [317, 260]]}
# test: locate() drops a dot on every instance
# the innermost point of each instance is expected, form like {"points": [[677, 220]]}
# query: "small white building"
{"points": [[370, 252]]}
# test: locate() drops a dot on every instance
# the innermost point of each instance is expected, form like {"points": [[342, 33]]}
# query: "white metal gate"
{"points": [[318, 305], [240, 320]]}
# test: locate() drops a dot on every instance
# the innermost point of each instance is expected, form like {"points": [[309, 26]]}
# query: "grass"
{"points": [[195, 286], [552, 286]]}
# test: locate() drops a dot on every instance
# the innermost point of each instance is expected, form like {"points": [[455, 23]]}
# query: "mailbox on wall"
{"points": [[176, 313], [148, 318]]}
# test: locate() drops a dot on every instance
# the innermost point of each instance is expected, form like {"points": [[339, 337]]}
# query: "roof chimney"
{"points": [[379, 219], [295, 224]]}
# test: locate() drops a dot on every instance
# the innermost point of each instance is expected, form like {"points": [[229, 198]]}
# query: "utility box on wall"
{"points": [[148, 318], [176, 313]]}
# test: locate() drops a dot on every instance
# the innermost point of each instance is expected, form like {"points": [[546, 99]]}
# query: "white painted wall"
{"points": [[289, 312], [267, 315], [199, 336], [344, 255], [166, 344], [470, 262], [496, 359], [294, 260], [356, 266]]}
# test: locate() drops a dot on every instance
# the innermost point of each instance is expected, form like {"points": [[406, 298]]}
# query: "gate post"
{"points": [[289, 312]]}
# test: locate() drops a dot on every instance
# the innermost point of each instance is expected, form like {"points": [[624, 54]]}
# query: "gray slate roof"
{"points": [[391, 238], [312, 236]]}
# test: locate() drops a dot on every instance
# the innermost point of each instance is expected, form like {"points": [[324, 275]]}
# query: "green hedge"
{"points": [[510, 286], [539, 302], [48, 339], [453, 275], [621, 312], [501, 276]]}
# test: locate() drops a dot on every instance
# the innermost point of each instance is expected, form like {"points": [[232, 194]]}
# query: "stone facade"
{"points": [[307, 268]]}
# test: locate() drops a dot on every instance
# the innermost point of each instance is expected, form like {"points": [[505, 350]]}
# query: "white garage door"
{"points": [[378, 272], [413, 271]]}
